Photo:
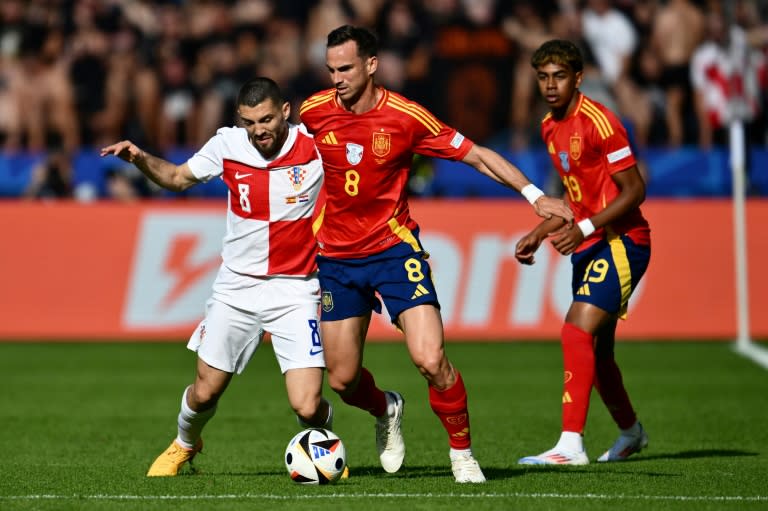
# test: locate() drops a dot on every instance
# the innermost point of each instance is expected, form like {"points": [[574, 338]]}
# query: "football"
{"points": [[315, 456]]}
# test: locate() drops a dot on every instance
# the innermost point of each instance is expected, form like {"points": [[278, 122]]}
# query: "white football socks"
{"points": [[570, 441], [191, 423]]}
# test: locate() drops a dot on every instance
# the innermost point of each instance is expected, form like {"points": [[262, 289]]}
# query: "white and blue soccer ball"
{"points": [[315, 456]]}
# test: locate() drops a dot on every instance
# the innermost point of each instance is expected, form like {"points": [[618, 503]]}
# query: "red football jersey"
{"points": [[587, 148], [366, 158]]}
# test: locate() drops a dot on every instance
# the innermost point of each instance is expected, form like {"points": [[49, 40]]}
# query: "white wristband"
{"points": [[587, 227], [531, 193]]}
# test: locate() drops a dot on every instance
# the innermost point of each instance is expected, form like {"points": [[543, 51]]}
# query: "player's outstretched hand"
{"points": [[125, 150], [526, 247], [547, 207]]}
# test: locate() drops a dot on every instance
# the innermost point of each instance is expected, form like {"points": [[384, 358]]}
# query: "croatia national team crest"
{"points": [[354, 153], [326, 300], [564, 160], [575, 147], [381, 144], [297, 175]]}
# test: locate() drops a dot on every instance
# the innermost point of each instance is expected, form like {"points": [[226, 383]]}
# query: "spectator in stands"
{"points": [[612, 39], [470, 61], [52, 177], [49, 114], [674, 48], [728, 78], [97, 92], [404, 32], [126, 184]]}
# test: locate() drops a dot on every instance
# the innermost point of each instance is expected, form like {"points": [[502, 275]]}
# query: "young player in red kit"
{"points": [[609, 245], [369, 243]]}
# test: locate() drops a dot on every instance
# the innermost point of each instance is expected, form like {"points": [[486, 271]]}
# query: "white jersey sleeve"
{"points": [[207, 163]]}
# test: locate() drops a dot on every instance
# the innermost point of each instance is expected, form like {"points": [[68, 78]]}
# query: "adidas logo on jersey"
{"points": [[330, 139]]}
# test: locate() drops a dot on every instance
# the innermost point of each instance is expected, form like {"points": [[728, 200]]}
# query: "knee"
{"points": [[201, 396], [342, 381], [431, 364], [307, 408]]}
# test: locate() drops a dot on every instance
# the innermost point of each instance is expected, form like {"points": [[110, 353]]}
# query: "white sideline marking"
{"points": [[756, 353], [564, 496]]}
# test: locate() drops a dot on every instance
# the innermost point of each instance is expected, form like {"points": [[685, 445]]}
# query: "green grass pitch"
{"points": [[81, 422]]}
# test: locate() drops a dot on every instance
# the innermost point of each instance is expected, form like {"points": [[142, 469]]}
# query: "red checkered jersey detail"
{"points": [[367, 158], [587, 148], [271, 202]]}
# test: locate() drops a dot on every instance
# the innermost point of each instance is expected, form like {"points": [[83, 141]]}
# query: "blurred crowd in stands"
{"points": [[165, 73]]}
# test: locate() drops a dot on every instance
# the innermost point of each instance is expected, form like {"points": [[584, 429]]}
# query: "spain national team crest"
{"points": [[575, 147], [354, 153], [326, 300], [297, 175], [381, 144]]}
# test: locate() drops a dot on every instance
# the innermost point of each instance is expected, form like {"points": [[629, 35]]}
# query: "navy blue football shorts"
{"points": [[608, 272], [400, 275]]}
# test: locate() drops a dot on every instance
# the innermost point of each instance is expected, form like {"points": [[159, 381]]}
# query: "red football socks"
{"points": [[450, 406], [579, 365], [367, 396], [610, 386]]}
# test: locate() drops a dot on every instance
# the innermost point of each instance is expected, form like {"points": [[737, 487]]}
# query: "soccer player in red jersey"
{"points": [[609, 245], [367, 136]]}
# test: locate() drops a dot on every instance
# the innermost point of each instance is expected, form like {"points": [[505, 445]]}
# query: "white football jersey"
{"points": [[271, 202]]}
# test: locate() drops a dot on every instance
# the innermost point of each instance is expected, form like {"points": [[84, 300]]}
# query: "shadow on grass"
{"points": [[497, 473], [687, 455]]}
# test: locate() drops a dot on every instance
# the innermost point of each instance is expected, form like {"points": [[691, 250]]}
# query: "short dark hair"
{"points": [[558, 51], [255, 91], [367, 44]]}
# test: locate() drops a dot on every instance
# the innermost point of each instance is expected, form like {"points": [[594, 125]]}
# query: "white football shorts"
{"points": [[243, 308]]}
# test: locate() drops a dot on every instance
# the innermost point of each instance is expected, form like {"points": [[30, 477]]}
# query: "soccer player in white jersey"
{"points": [[267, 281]]}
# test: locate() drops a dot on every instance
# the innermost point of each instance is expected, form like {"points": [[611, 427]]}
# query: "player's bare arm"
{"points": [[498, 168], [527, 246], [170, 176], [631, 195]]}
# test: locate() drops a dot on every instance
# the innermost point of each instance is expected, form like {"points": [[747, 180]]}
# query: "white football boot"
{"points": [[389, 437], [465, 468], [630, 441]]}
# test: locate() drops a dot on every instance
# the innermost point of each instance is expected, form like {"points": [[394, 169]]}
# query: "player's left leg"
{"points": [[423, 330], [610, 385], [304, 388], [633, 259]]}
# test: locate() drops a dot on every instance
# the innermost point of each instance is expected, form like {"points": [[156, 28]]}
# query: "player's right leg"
{"points": [[198, 406], [356, 386], [231, 337], [347, 304], [579, 373]]}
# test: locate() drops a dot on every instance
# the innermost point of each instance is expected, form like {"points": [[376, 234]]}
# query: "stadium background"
{"points": [[93, 252]]}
